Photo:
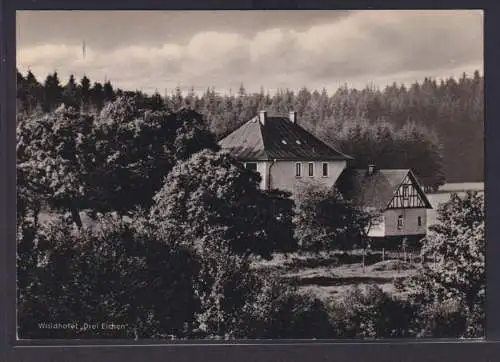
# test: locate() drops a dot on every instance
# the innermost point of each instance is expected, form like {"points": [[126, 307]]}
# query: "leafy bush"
{"points": [[370, 313], [441, 320], [118, 273], [223, 285], [279, 311], [132, 273]]}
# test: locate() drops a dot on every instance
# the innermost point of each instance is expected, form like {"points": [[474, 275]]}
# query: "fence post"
{"points": [[364, 260], [383, 254], [404, 249]]}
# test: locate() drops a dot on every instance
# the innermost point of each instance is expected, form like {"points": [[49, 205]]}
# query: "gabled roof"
{"points": [[278, 139], [375, 190]]}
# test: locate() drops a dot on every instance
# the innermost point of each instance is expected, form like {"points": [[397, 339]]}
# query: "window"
{"points": [[325, 169], [405, 191], [419, 221], [401, 222], [251, 166], [298, 170], [311, 169]]}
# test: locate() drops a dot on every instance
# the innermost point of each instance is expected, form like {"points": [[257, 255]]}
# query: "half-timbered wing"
{"points": [[383, 189]]}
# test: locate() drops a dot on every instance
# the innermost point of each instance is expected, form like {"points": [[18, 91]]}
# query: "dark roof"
{"points": [[278, 139], [375, 190]]}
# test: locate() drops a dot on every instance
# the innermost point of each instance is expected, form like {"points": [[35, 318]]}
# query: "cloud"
{"points": [[366, 46], [48, 53]]}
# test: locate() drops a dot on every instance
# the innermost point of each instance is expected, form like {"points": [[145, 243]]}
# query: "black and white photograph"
{"points": [[250, 175]]}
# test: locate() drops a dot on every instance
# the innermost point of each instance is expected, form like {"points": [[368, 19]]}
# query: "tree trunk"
{"points": [[76, 217]]}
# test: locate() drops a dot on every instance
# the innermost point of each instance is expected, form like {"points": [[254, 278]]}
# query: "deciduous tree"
{"points": [[457, 277], [324, 220], [212, 192]]}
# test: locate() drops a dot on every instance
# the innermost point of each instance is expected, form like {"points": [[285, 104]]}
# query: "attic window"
{"points": [[405, 191], [283, 141]]}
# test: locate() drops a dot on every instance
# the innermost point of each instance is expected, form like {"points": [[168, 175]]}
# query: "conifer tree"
{"points": [[85, 96], [97, 96], [52, 92], [108, 92], [70, 95]]}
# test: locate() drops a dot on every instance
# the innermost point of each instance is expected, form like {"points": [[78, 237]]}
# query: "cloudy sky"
{"points": [[273, 49]]}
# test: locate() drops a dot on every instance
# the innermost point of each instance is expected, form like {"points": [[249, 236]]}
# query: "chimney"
{"points": [[293, 116], [371, 169], [262, 117]]}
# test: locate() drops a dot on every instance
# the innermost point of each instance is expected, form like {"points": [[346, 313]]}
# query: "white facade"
{"points": [[283, 175], [377, 227], [400, 222]]}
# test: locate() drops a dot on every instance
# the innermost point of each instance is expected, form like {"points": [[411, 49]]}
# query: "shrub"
{"points": [[279, 311], [223, 285], [370, 313], [135, 274], [119, 273], [446, 319]]}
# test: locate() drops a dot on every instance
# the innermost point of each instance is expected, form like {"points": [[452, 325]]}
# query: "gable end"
{"points": [[409, 194]]}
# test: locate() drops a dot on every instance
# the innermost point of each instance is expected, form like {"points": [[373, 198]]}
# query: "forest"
{"points": [[434, 127]]}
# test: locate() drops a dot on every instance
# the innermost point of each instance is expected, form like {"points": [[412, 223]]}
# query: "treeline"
{"points": [[380, 143], [449, 112]]}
